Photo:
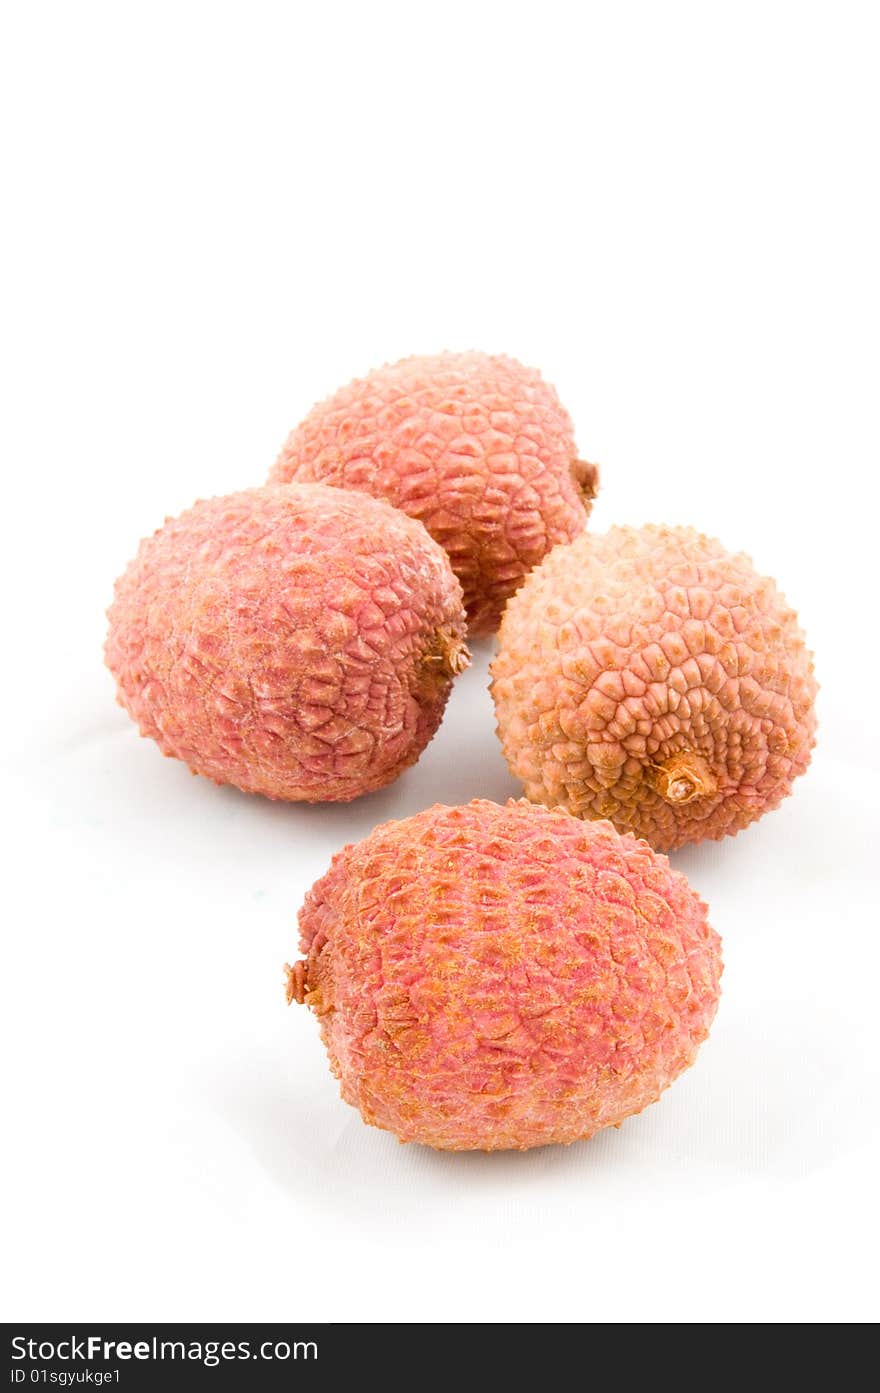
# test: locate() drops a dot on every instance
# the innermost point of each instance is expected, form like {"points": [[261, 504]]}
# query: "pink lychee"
{"points": [[295, 641], [478, 448], [503, 977]]}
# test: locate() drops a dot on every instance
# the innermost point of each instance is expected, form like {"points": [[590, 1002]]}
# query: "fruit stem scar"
{"points": [[298, 989], [682, 777], [446, 655], [296, 982], [586, 476]]}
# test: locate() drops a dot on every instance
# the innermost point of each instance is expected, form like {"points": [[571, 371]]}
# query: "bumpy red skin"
{"points": [[296, 641], [477, 448], [650, 650], [492, 978]]}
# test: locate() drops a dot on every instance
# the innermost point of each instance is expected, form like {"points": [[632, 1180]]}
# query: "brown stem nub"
{"points": [[586, 476], [682, 777], [296, 982], [446, 657], [457, 658]]}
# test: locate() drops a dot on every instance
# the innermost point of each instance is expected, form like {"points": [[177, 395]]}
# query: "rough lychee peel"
{"points": [[491, 978], [478, 448], [295, 641], [651, 677]]}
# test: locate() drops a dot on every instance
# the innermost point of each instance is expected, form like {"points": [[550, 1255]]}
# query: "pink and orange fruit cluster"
{"points": [[485, 977]]}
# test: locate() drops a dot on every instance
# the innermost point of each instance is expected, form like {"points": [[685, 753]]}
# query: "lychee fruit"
{"points": [[295, 641], [491, 977], [478, 448], [650, 677]]}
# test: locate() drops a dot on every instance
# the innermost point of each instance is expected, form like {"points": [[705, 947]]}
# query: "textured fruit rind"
{"points": [[650, 677], [478, 448], [495, 977], [295, 641]]}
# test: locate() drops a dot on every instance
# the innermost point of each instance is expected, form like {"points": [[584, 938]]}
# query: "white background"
{"points": [[214, 215]]}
